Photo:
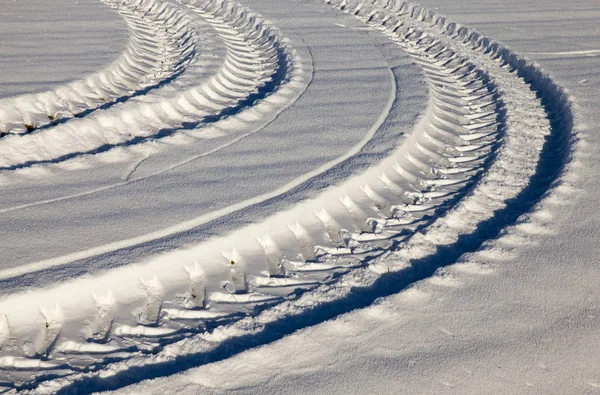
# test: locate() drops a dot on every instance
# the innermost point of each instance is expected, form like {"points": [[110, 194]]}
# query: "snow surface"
{"points": [[186, 180], [528, 323], [519, 315], [43, 46]]}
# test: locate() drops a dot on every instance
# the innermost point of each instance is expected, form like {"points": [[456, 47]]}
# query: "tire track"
{"points": [[256, 63], [161, 46], [475, 155]]}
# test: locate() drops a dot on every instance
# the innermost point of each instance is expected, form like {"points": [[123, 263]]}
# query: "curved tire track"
{"points": [[256, 64], [471, 167], [161, 46]]}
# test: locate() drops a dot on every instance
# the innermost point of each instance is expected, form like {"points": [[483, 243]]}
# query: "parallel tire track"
{"points": [[257, 62], [161, 45], [471, 156]]}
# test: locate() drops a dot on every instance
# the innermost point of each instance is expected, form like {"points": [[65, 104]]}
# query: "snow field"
{"points": [[472, 155]]}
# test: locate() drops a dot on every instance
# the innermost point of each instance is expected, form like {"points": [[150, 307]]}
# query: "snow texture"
{"points": [[348, 196]]}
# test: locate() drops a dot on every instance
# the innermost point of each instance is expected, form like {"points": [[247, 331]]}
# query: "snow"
{"points": [[172, 187], [43, 47], [497, 293]]}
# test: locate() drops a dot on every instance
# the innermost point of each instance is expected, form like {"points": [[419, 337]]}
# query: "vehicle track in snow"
{"points": [[474, 163], [255, 64], [161, 46]]}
